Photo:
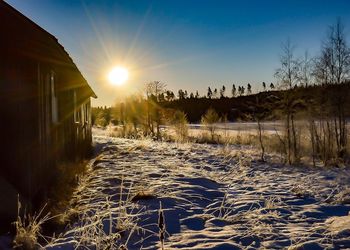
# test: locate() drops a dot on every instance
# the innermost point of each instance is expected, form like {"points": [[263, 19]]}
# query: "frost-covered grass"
{"points": [[28, 229], [212, 196], [208, 196]]}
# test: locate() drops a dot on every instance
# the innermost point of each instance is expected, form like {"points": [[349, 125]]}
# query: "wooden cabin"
{"points": [[45, 114]]}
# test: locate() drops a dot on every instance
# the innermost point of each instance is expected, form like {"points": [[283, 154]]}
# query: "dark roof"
{"points": [[28, 38]]}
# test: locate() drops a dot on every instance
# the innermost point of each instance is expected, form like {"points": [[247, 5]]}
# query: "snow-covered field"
{"points": [[212, 197], [269, 127], [232, 128]]}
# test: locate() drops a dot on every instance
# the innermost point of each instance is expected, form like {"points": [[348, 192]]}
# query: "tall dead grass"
{"points": [[28, 228], [273, 142]]}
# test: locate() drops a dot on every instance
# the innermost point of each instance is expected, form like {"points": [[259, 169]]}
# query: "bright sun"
{"points": [[118, 76]]}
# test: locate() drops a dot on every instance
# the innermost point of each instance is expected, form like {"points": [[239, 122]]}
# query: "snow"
{"points": [[212, 196]]}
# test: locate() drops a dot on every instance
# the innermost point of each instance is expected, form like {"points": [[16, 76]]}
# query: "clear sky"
{"points": [[188, 44]]}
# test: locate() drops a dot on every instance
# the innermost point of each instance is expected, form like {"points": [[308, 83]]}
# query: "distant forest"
{"points": [[268, 104]]}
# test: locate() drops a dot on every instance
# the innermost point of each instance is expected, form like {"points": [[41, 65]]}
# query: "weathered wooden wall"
{"points": [[33, 141]]}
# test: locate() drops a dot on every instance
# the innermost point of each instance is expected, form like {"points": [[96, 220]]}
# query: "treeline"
{"points": [[242, 108], [169, 95]]}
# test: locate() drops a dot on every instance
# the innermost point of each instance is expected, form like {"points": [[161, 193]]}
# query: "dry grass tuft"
{"points": [[301, 191], [343, 197], [272, 202], [28, 229]]}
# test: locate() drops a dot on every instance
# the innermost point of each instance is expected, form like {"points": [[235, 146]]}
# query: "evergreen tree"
{"points": [[181, 94], [222, 91], [197, 95], [185, 94], [249, 89], [210, 93], [233, 91]]}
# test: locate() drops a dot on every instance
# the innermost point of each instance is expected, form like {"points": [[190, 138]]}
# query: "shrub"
{"points": [[180, 124], [209, 119]]}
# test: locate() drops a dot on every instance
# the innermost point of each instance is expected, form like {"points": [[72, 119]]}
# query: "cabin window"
{"points": [[54, 101]]}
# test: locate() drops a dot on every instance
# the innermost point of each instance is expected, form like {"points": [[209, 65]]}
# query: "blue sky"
{"points": [[188, 44]]}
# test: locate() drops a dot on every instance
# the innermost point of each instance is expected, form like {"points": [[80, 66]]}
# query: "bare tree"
{"points": [[338, 68], [287, 74], [333, 65], [258, 114], [288, 78], [340, 52], [321, 69], [306, 71]]}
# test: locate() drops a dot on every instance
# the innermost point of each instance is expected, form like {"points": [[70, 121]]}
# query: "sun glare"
{"points": [[118, 76]]}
